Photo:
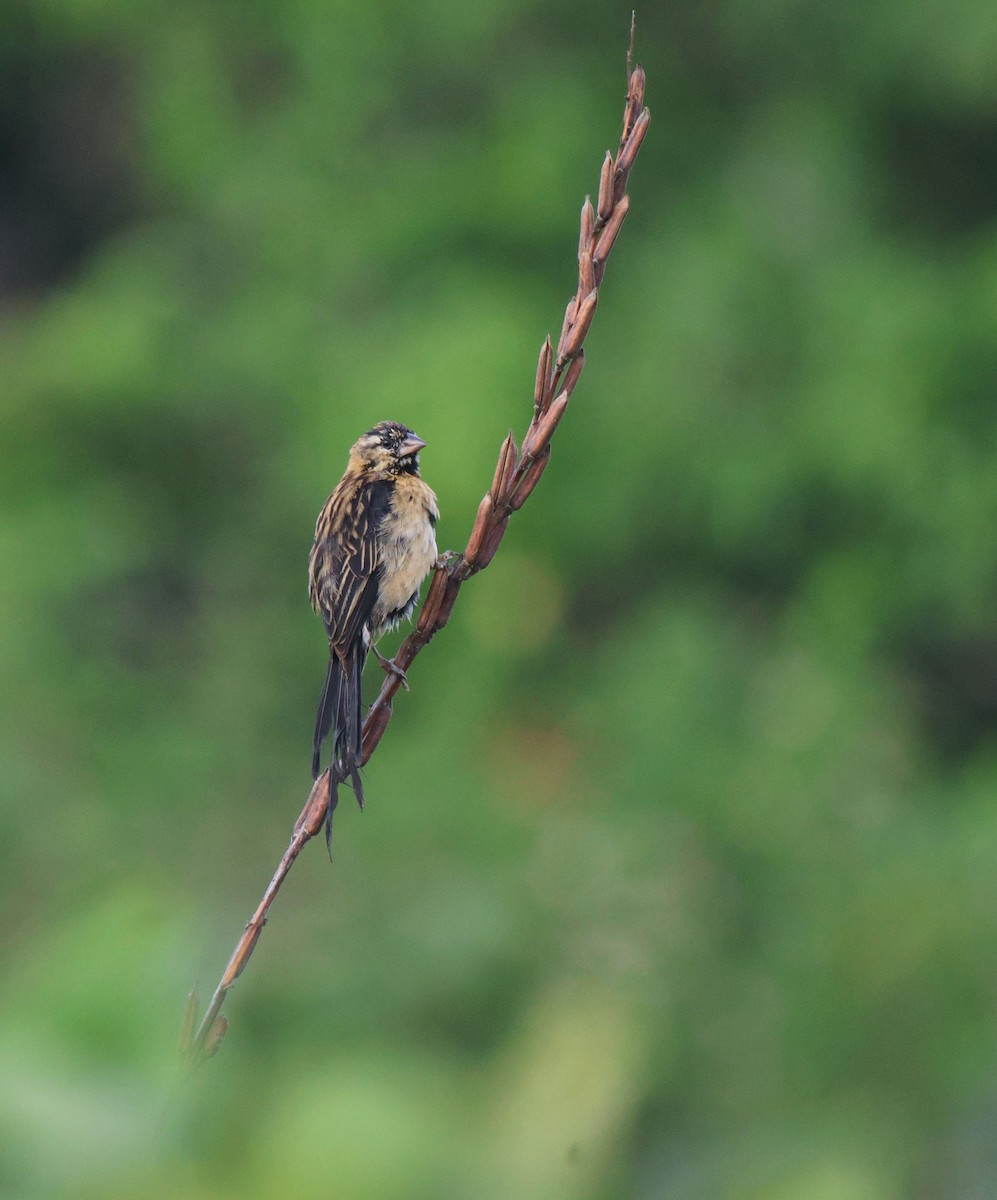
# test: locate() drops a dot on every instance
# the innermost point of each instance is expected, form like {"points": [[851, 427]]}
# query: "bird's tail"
{"points": [[340, 712]]}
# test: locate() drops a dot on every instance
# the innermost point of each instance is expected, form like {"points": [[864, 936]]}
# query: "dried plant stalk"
{"points": [[205, 1042], [517, 473]]}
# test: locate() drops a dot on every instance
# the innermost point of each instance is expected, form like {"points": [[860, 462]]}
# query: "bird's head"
{"points": [[387, 449]]}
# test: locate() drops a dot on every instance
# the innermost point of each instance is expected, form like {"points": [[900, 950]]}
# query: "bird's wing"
{"points": [[344, 566]]}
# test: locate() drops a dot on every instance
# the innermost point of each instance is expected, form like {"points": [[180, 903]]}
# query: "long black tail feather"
{"points": [[340, 713], [350, 725], [328, 706]]}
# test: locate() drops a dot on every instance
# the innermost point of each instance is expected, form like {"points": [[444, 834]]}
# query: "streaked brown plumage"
{"points": [[374, 545]]}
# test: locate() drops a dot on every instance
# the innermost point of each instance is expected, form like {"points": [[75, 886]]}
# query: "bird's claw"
{"points": [[442, 560], [390, 667]]}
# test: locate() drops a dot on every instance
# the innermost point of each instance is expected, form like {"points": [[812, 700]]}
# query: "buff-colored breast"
{"points": [[407, 547]]}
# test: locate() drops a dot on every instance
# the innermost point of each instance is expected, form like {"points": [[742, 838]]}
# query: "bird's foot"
{"points": [[391, 668], [442, 560]]}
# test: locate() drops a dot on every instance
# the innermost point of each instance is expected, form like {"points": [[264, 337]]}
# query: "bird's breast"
{"points": [[408, 548]]}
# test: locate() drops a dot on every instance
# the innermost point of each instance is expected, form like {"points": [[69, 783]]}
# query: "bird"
{"points": [[375, 543]]}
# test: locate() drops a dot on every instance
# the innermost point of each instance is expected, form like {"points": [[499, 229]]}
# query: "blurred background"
{"points": [[677, 873]]}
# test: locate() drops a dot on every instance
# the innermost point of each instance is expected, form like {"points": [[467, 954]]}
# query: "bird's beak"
{"points": [[411, 445]]}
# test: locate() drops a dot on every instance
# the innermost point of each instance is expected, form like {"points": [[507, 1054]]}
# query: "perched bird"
{"points": [[375, 543]]}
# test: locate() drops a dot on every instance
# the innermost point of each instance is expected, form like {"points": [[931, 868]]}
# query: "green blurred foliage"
{"points": [[677, 873]]}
